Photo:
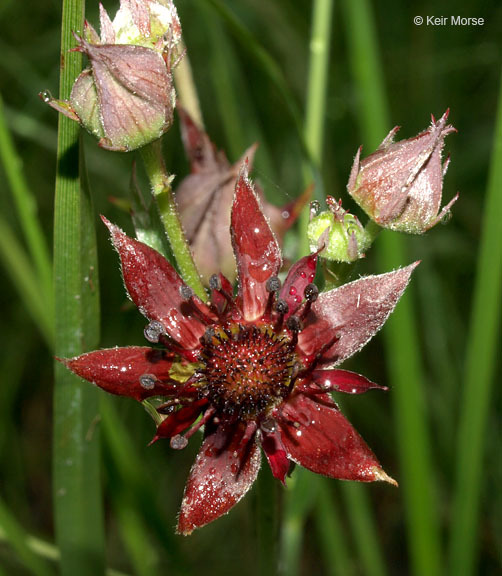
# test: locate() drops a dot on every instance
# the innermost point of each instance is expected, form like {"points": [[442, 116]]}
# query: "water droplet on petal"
{"points": [[153, 331], [147, 381], [292, 291]]}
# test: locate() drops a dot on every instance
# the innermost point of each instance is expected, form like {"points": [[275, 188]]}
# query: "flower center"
{"points": [[247, 369]]}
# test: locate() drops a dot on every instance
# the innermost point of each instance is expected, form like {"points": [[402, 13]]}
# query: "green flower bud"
{"points": [[343, 236]]}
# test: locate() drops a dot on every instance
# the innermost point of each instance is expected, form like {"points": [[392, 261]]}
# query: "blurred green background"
{"points": [[250, 63]]}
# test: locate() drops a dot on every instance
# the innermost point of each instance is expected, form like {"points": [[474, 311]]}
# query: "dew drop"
{"points": [[315, 208], [147, 381], [178, 442], [303, 274], [292, 291], [153, 331], [46, 96]]}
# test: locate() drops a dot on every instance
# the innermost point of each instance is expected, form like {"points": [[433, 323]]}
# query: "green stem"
{"points": [[160, 182], [320, 40], [401, 332], [314, 137], [187, 92], [479, 371], [76, 455]]}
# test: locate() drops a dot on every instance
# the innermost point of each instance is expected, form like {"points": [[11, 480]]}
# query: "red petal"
{"points": [[276, 455], [256, 250], [180, 420], [118, 370], [299, 277], [324, 441], [344, 381], [154, 286], [224, 470], [354, 313]]}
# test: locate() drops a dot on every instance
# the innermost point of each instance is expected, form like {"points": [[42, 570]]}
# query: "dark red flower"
{"points": [[255, 369]]}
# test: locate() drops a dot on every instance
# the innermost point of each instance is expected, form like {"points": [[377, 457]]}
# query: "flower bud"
{"points": [[400, 185], [126, 97], [344, 239], [205, 197]]}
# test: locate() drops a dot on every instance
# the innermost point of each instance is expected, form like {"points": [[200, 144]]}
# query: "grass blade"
{"points": [[17, 538], [26, 209], [23, 276], [76, 472], [332, 536], [400, 334], [364, 529], [479, 371]]}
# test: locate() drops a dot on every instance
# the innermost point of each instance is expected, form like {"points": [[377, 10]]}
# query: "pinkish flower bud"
{"points": [[400, 185], [126, 97]]}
